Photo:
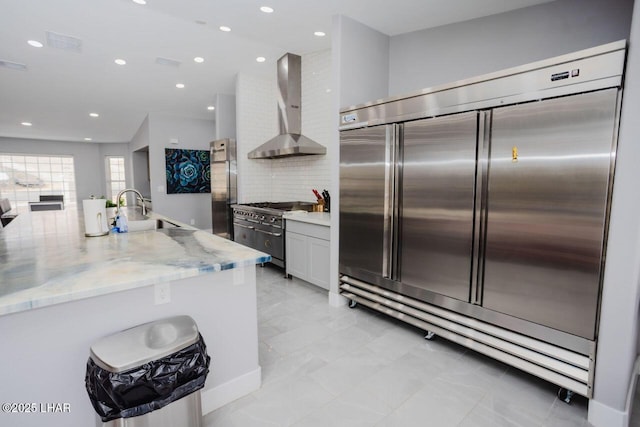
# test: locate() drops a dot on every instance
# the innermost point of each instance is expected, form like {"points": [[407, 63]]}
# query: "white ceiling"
{"points": [[60, 88]]}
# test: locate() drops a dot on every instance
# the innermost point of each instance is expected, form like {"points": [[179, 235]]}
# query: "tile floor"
{"points": [[325, 366]]}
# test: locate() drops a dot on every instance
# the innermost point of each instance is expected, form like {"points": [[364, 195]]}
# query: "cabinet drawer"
{"points": [[313, 230]]}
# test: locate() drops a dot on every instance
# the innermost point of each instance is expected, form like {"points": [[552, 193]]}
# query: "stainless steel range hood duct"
{"points": [[290, 142]]}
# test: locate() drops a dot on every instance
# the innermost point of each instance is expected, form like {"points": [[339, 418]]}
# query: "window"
{"points": [[23, 178], [116, 181]]}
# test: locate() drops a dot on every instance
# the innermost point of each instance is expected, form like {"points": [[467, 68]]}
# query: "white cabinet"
{"points": [[297, 254], [307, 247]]}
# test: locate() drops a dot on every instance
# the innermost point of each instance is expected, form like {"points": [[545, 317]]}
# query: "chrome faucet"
{"points": [[144, 208]]}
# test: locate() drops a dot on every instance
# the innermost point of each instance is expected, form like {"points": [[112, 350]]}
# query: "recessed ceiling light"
{"points": [[199, 59], [180, 85], [140, 1], [94, 114], [319, 34], [225, 28], [35, 43], [88, 139], [211, 108], [201, 22], [266, 9], [261, 59], [120, 61], [26, 124]]}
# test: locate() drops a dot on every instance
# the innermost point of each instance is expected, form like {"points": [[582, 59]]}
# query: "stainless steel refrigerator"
{"points": [[224, 187], [479, 209]]}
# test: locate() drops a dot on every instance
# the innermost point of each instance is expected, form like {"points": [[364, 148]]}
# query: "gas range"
{"points": [[260, 226], [274, 208]]}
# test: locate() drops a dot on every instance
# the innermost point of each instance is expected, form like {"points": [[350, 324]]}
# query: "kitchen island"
{"points": [[61, 291]]}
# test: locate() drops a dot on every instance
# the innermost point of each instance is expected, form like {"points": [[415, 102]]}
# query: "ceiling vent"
{"points": [[13, 65], [166, 61], [60, 41]]}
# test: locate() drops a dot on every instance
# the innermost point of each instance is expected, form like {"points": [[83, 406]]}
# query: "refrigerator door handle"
{"points": [[388, 255], [480, 210], [398, 160]]}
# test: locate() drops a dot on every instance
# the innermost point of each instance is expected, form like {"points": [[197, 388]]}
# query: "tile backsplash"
{"points": [[289, 178]]}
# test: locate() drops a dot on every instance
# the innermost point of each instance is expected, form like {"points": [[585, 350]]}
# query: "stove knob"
{"points": [[262, 218], [273, 219]]}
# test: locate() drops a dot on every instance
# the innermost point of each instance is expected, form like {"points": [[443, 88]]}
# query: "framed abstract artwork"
{"points": [[187, 171]]}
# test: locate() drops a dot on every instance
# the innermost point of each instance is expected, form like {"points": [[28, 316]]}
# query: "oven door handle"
{"points": [[268, 232], [244, 226]]}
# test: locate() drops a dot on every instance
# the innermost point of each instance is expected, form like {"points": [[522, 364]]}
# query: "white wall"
{"points": [[141, 138], [290, 178], [140, 168], [361, 60], [256, 120], [139, 165], [445, 54], [192, 134], [88, 159], [225, 116], [617, 343]]}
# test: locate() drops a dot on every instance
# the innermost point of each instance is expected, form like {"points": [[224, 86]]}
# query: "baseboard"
{"points": [[601, 415], [219, 396], [336, 300]]}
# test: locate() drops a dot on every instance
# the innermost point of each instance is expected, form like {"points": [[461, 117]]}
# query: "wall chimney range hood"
{"points": [[290, 142]]}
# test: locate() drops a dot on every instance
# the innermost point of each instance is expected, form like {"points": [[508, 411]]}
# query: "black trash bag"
{"points": [[149, 387]]}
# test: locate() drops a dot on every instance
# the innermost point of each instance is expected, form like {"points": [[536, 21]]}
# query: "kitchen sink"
{"points": [[149, 224]]}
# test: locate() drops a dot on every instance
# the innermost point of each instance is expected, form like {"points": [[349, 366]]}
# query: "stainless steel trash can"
{"points": [[149, 375]]}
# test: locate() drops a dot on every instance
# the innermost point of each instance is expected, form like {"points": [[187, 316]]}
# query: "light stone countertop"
{"points": [[319, 218], [46, 259]]}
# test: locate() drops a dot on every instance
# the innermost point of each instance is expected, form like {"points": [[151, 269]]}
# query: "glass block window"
{"points": [[23, 178]]}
